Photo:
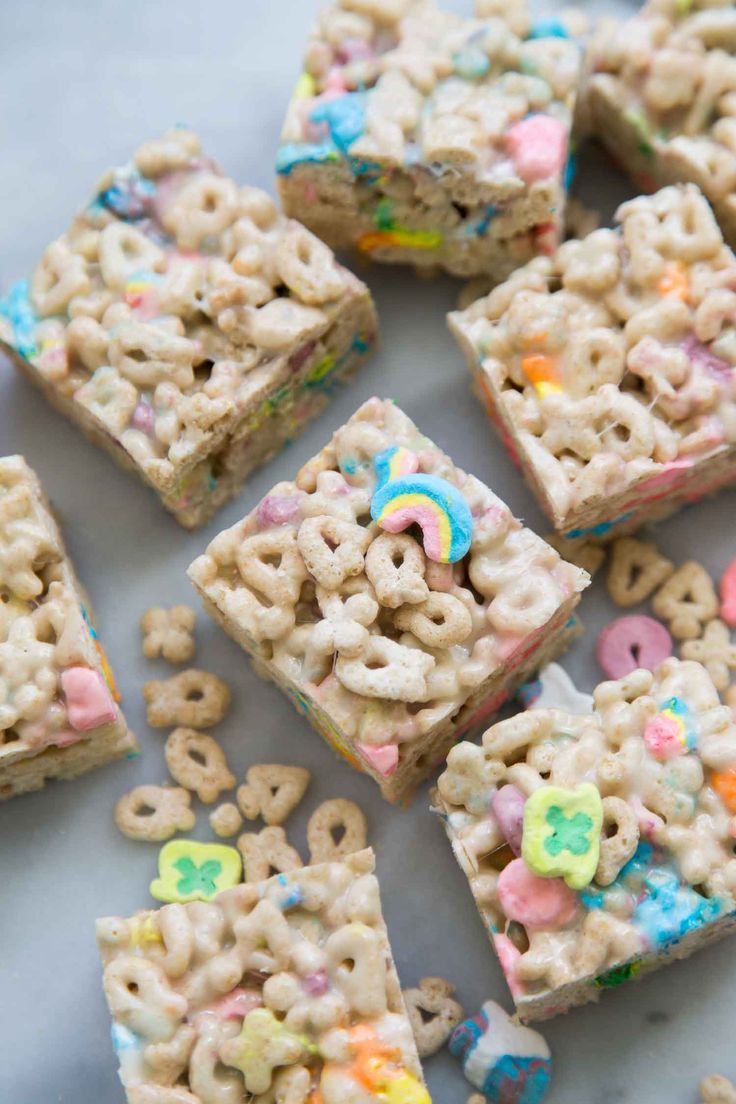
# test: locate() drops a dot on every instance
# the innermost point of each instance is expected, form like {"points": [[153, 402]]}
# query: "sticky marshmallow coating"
{"points": [[186, 325], [661, 94], [58, 713], [658, 756], [390, 654], [420, 137], [610, 369], [281, 990]]}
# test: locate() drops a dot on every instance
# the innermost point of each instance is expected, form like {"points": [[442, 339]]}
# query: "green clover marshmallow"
{"points": [[562, 829], [191, 871]]}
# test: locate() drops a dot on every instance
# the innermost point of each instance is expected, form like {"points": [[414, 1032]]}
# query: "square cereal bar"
{"points": [[661, 95], [58, 711], [609, 368], [391, 642], [424, 138], [599, 846], [283, 990], [186, 326]]}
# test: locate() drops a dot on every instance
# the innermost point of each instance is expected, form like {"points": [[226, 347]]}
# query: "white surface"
{"points": [[82, 83]]}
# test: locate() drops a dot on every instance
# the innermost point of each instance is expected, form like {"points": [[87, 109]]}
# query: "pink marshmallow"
{"points": [[632, 642], [508, 956], [384, 759], [538, 147], [662, 738], [88, 700], [537, 903], [508, 808], [728, 595]]}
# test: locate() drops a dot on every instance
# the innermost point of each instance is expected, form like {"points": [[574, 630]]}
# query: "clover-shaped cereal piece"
{"points": [[687, 600], [336, 828], [715, 651], [333, 550], [168, 633], [225, 820], [265, 852], [194, 698], [635, 570], [154, 812], [432, 1013], [272, 791], [470, 776], [264, 1044], [197, 762], [192, 871]]}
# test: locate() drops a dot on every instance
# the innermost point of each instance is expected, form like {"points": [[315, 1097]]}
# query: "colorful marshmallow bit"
{"points": [[671, 732], [509, 1063], [395, 462], [541, 371], [191, 871], [375, 1066], [538, 147], [632, 642], [432, 503], [728, 595], [561, 837]]}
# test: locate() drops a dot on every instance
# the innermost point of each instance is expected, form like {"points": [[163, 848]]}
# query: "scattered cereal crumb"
{"points": [[687, 600], [336, 828], [635, 570], [266, 852], [197, 699], [495, 1053], [226, 820], [197, 762], [168, 633], [717, 1090], [715, 651], [154, 812], [272, 791], [433, 997]]}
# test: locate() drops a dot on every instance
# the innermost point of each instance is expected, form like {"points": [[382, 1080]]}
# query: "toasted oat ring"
{"points": [[197, 762]]}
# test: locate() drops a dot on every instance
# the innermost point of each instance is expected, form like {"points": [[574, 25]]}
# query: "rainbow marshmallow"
{"points": [[432, 503]]}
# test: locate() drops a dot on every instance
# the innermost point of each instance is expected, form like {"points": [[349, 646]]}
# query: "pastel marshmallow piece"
{"points": [[632, 642], [662, 738], [537, 903], [384, 760], [89, 703], [538, 147], [507, 804], [728, 595]]}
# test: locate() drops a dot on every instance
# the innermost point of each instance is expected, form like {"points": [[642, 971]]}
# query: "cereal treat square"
{"points": [[186, 326], [424, 138], [283, 990], [661, 94], [599, 846], [58, 703], [609, 368], [394, 598]]}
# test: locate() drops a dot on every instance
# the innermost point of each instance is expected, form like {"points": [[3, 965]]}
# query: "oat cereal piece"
{"points": [[272, 791], [590, 557], [507, 1061], [197, 762], [420, 137], [225, 820], [635, 570], [267, 851], [282, 991], [393, 641], [474, 1098], [729, 698], [59, 715], [168, 633], [192, 871], [715, 651], [609, 368], [432, 1013], [154, 812], [687, 601], [336, 828], [626, 834], [716, 1089], [186, 326], [194, 698], [660, 94]]}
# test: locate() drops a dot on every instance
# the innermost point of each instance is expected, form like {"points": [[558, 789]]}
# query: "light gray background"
{"points": [[81, 84]]}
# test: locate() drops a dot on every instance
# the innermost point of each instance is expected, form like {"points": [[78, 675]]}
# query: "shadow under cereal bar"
{"points": [[392, 644], [610, 368], [281, 990], [599, 846], [186, 326], [58, 711], [423, 138]]}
